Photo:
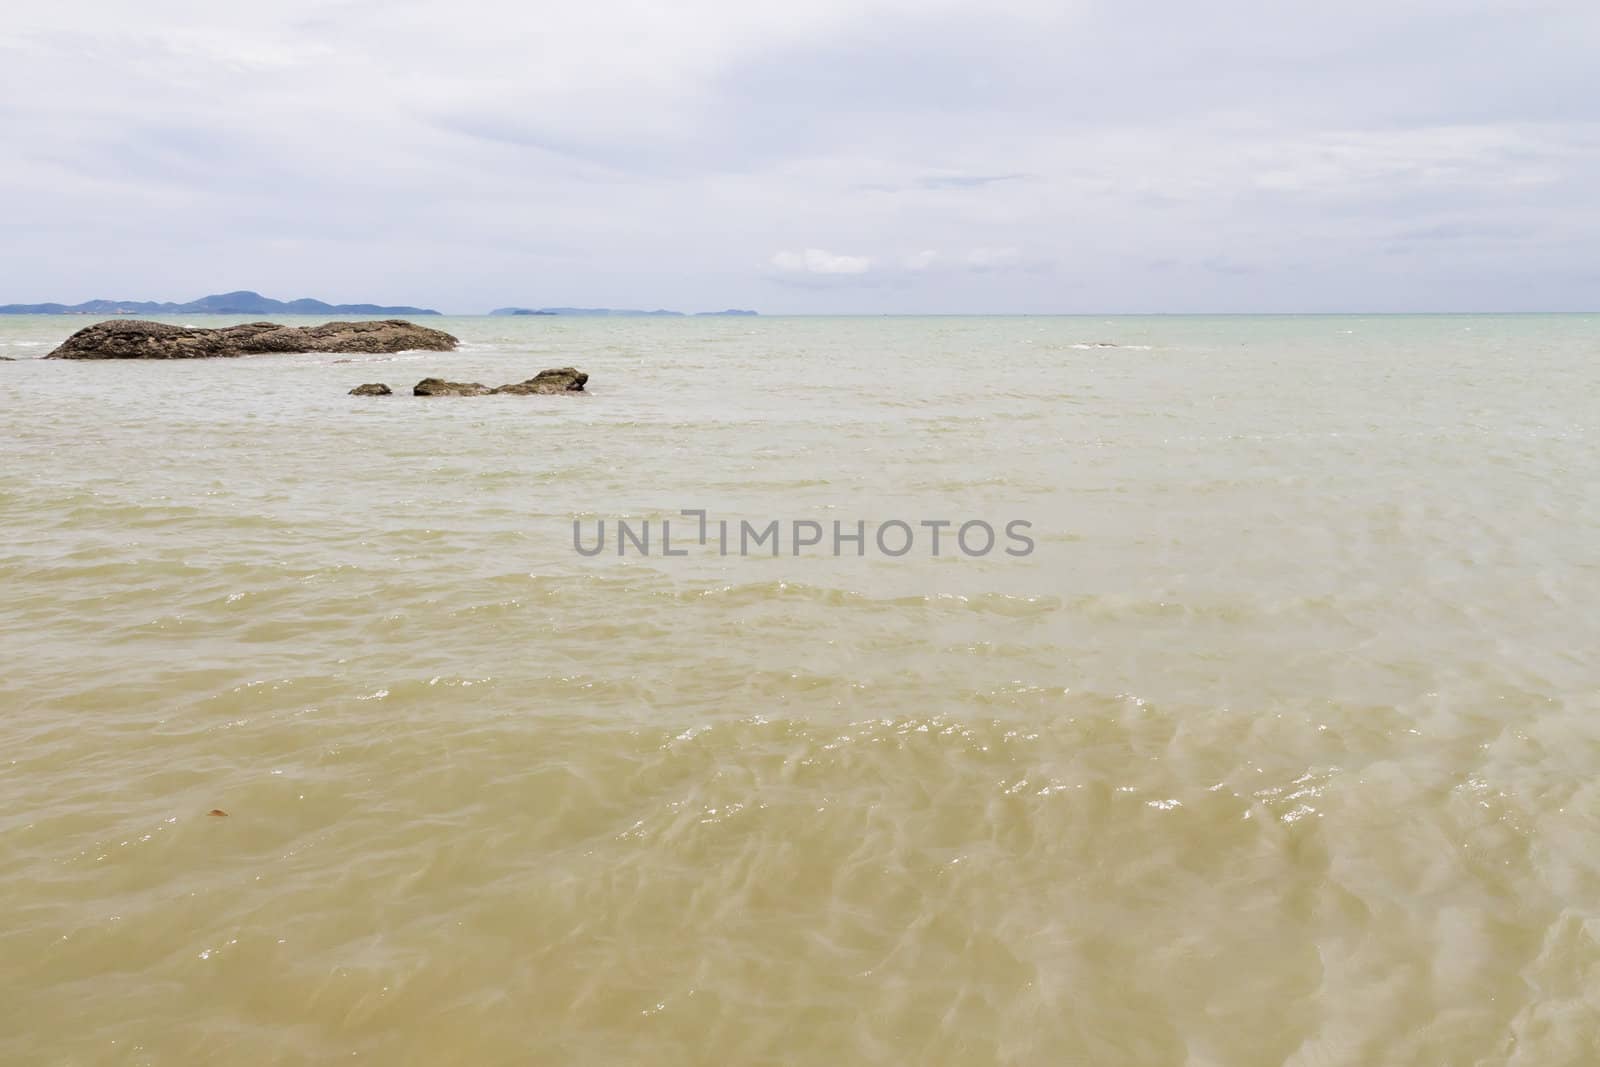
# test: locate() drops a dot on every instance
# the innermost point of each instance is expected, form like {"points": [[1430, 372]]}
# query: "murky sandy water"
{"points": [[1280, 748]]}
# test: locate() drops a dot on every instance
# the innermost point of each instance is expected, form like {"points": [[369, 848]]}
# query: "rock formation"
{"points": [[557, 380], [138, 339], [371, 389], [440, 387]]}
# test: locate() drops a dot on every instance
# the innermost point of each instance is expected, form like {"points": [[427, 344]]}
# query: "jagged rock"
{"points": [[440, 387], [138, 339], [371, 389], [559, 380]]}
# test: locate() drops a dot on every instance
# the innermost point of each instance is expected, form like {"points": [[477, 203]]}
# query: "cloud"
{"points": [[818, 270], [954, 182], [1021, 155], [991, 258], [817, 261]]}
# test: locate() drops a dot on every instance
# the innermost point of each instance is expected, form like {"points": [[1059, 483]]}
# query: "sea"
{"points": [[1173, 690]]}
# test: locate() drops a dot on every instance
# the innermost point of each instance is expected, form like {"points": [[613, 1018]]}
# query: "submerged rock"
{"points": [[440, 387], [138, 339], [558, 380], [371, 389]]}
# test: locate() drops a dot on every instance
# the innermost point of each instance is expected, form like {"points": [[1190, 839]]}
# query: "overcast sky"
{"points": [[808, 156]]}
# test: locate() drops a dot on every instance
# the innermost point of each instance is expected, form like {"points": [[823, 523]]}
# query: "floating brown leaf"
{"points": [[216, 811]]}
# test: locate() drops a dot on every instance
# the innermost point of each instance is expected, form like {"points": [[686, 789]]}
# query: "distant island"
{"points": [[243, 302], [659, 312]]}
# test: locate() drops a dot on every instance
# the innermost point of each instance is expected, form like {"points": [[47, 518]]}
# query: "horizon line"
{"points": [[885, 314]]}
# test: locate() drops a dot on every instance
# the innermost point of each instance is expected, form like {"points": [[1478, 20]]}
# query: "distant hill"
{"points": [[243, 302], [616, 312]]}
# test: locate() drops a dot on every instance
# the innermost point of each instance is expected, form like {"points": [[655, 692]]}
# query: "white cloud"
{"points": [[991, 258], [817, 261], [1044, 155]]}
